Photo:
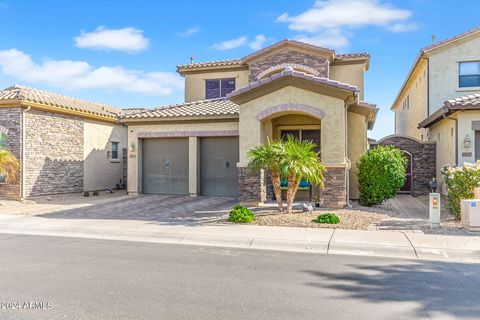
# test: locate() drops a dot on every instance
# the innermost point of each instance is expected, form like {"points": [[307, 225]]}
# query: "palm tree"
{"points": [[300, 161], [268, 156], [9, 165]]}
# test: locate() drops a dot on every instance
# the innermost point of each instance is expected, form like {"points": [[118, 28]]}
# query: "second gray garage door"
{"points": [[165, 165], [218, 166]]}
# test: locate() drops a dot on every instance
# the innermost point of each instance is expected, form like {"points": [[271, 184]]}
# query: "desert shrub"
{"points": [[240, 214], [460, 182], [381, 174], [330, 218]]}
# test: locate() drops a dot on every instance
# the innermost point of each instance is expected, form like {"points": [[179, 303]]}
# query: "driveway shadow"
{"points": [[439, 289], [165, 209]]}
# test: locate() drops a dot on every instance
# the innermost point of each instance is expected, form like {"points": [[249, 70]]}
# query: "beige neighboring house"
{"points": [[200, 147], [64, 144], [440, 99]]}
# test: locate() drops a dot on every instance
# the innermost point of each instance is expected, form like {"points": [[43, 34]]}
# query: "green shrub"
{"points": [[330, 218], [240, 214], [381, 174], [460, 182]]}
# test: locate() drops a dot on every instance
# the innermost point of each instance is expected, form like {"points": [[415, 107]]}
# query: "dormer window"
{"points": [[218, 88]]}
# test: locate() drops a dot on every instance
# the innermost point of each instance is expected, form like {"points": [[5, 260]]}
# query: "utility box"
{"points": [[470, 212], [434, 210]]}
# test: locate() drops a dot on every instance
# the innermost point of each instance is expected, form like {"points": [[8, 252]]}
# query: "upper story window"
{"points": [[469, 74], [218, 88]]}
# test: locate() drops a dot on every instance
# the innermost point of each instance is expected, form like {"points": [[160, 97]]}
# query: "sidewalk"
{"points": [[326, 241]]}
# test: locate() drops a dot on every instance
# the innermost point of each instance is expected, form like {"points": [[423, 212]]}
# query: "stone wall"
{"points": [[53, 153], [251, 186], [11, 120], [424, 160], [334, 195], [288, 56]]}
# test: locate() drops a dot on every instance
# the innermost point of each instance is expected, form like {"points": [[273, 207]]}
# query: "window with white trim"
{"points": [[469, 74], [114, 151]]}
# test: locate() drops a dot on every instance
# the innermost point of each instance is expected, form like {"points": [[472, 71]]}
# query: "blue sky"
{"points": [[124, 52]]}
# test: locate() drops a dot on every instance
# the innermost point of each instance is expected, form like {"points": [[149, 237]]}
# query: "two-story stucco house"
{"points": [[200, 147], [440, 99]]}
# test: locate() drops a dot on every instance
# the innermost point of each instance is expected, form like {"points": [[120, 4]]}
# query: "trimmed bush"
{"points": [[460, 182], [240, 214], [381, 174], [330, 218]]}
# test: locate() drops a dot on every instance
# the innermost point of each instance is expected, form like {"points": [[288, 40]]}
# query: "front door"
{"points": [[407, 186]]}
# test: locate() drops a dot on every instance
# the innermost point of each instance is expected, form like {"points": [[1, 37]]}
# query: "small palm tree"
{"points": [[268, 156], [300, 161], [9, 165]]}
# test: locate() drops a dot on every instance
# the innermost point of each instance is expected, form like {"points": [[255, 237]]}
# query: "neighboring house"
{"points": [[200, 147], [440, 99], [64, 144]]}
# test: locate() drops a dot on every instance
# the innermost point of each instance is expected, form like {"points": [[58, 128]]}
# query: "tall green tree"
{"points": [[300, 161], [9, 165], [268, 157]]}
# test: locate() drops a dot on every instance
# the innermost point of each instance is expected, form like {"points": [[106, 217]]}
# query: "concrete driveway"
{"points": [[159, 208]]}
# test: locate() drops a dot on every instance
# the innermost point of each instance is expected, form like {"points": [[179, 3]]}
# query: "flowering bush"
{"points": [[460, 182]]}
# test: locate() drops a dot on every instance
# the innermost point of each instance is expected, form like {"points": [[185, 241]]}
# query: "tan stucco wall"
{"points": [[444, 70], [442, 134], [100, 172], [135, 152], [407, 118], [350, 73], [357, 144], [195, 83], [333, 124]]}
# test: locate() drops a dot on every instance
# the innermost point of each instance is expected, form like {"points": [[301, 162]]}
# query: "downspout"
{"points": [[349, 164], [23, 151], [456, 141]]}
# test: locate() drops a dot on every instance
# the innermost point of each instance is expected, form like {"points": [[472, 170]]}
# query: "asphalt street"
{"points": [[71, 278]]}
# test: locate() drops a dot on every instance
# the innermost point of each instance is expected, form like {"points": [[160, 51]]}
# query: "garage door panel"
{"points": [[165, 166], [218, 170]]}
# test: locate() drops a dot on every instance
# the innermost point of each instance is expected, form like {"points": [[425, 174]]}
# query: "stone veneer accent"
{"points": [[53, 153], [334, 195], [11, 119], [286, 56], [423, 157], [251, 186]]}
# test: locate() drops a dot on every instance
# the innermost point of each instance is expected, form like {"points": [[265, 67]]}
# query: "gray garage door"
{"points": [[165, 166], [218, 166]]}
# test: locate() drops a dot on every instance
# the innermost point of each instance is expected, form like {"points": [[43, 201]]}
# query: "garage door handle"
{"points": [[227, 164], [167, 164]]}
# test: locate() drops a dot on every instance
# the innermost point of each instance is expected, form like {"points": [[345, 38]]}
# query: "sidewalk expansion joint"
{"points": [[250, 244], [330, 240], [414, 250]]}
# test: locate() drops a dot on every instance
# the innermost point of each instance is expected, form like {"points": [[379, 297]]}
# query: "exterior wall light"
{"points": [[467, 143]]}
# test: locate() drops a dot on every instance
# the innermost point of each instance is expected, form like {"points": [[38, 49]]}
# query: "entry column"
{"points": [[193, 166]]}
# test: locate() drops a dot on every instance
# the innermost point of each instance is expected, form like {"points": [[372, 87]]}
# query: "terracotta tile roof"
{"points": [[217, 63], [27, 94], [292, 73], [213, 107], [469, 102], [445, 41], [353, 55]]}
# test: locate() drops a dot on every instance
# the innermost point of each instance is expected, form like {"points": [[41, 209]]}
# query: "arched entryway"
{"points": [[407, 186]]}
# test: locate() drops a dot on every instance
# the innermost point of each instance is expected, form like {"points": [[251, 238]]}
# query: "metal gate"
{"points": [[218, 166], [165, 165]]}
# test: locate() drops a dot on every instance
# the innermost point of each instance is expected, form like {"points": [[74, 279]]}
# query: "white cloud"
{"points": [[127, 39], [402, 27], [257, 44], [343, 15], [231, 44], [76, 75], [333, 38], [189, 32]]}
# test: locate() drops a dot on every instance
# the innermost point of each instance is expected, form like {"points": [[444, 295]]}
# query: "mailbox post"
{"points": [[434, 210]]}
